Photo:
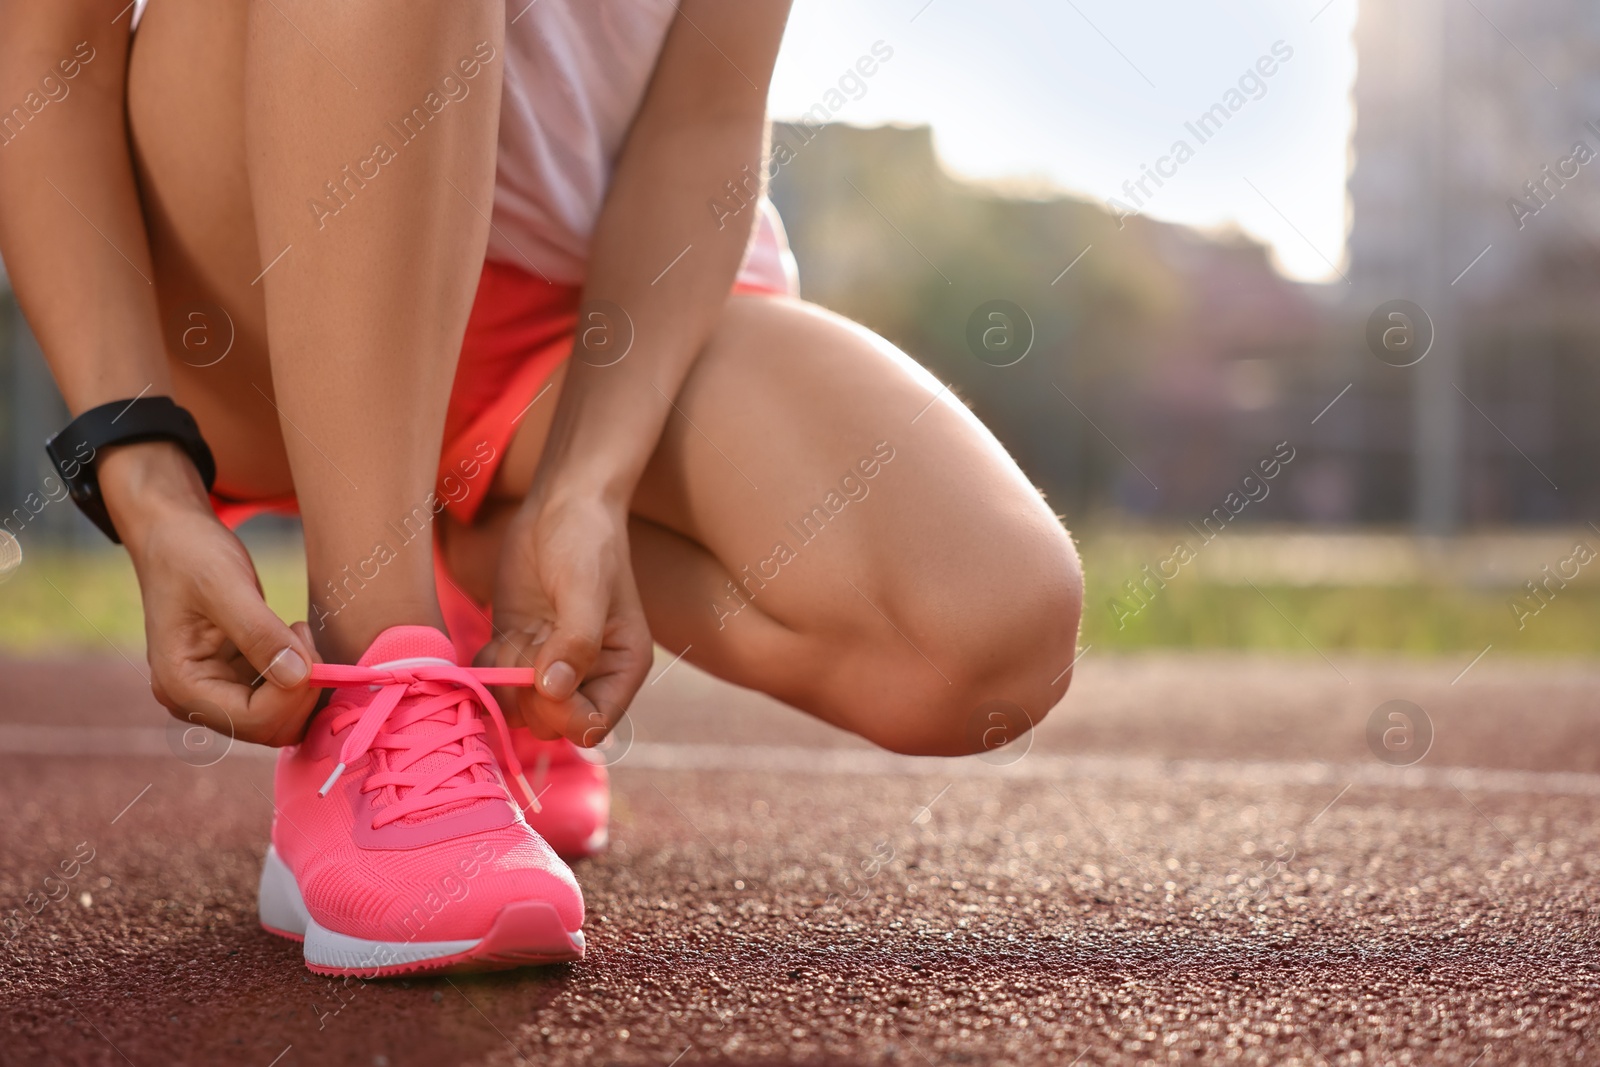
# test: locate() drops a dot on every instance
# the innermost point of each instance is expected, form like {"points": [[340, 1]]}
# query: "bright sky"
{"points": [[1083, 93]]}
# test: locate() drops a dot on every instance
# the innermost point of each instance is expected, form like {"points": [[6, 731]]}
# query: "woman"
{"points": [[473, 270]]}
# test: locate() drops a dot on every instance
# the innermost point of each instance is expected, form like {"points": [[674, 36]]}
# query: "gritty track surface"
{"points": [[1279, 896]]}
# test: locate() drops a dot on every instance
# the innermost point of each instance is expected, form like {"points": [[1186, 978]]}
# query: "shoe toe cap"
{"points": [[449, 892]]}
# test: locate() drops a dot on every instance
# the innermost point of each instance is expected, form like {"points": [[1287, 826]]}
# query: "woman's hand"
{"points": [[219, 656], [566, 604]]}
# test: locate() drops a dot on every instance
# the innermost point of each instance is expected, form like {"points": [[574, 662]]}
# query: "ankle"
{"points": [[343, 631]]}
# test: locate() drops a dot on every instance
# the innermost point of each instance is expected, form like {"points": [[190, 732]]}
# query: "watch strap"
{"points": [[75, 448]]}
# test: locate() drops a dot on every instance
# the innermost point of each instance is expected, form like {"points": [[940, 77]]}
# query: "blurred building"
{"points": [[1475, 193], [1164, 362], [1474, 107]]}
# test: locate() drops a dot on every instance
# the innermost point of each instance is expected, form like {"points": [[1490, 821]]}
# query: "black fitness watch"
{"points": [[122, 422]]}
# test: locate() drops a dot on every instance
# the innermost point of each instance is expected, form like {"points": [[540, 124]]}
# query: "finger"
{"points": [[546, 718], [536, 724], [517, 646], [575, 719], [302, 630], [597, 715], [607, 699], [514, 650], [611, 691], [264, 714], [230, 704], [621, 671], [279, 716], [555, 720], [543, 716], [278, 653], [589, 716], [568, 655], [200, 691]]}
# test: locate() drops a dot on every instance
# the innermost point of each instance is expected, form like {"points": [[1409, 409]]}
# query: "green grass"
{"points": [[1417, 619], [1359, 591], [62, 602], [83, 601]]}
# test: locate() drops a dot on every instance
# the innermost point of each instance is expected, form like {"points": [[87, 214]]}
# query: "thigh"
{"points": [[186, 124], [843, 489]]}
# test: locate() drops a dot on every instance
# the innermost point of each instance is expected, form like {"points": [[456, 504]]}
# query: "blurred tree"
{"points": [[1122, 378]]}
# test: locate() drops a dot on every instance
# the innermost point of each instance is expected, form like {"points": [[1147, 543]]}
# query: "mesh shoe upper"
{"points": [[416, 838]]}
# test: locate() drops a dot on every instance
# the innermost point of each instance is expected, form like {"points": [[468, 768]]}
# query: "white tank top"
{"points": [[576, 72]]}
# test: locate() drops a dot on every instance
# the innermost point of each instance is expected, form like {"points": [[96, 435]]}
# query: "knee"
{"points": [[993, 672]]}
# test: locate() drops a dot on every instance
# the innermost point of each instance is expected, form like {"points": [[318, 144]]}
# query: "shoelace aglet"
{"points": [[527, 791], [334, 777]]}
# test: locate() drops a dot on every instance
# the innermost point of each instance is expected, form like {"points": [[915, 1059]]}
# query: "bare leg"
{"points": [[365, 297], [366, 310], [924, 598]]}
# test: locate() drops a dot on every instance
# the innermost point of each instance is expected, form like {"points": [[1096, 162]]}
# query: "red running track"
{"points": [[1196, 859]]}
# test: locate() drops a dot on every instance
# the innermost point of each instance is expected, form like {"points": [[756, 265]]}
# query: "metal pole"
{"points": [[1436, 404]]}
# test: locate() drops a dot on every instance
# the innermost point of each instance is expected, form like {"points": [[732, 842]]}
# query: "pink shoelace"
{"points": [[378, 724]]}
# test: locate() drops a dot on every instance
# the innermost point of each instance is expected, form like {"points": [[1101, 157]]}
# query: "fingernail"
{"points": [[287, 669], [560, 680]]}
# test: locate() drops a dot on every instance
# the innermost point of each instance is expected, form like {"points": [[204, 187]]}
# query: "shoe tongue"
{"points": [[411, 646], [401, 643]]}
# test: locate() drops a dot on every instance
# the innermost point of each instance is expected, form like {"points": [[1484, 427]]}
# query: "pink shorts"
{"points": [[518, 333]]}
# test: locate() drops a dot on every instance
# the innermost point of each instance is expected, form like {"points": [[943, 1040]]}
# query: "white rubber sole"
{"points": [[525, 933]]}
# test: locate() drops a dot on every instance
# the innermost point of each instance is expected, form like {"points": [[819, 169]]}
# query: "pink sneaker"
{"points": [[574, 791], [396, 848]]}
